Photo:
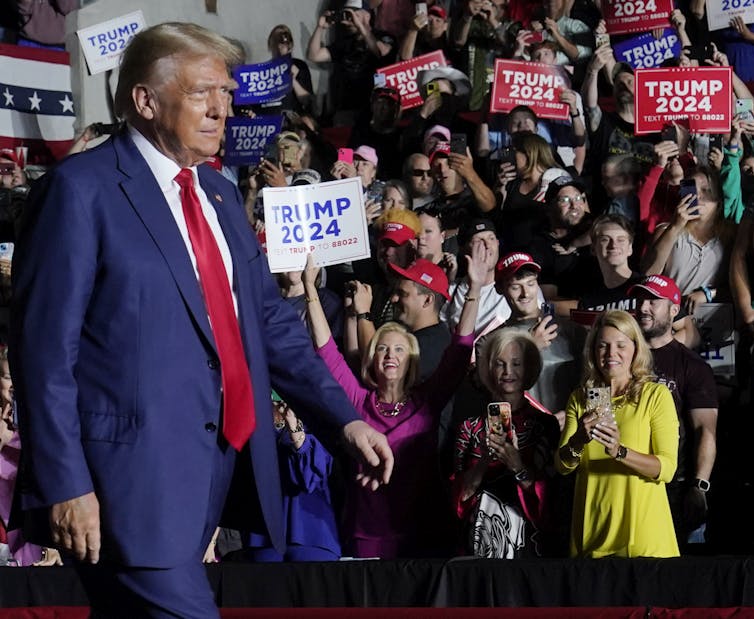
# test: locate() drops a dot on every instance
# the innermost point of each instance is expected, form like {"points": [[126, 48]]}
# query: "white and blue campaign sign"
{"points": [[103, 43], [646, 52], [327, 218], [263, 82], [246, 139], [720, 12]]}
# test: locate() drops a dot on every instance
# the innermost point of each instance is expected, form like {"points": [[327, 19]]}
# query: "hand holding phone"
{"points": [[458, 143], [499, 419], [688, 188], [345, 155]]}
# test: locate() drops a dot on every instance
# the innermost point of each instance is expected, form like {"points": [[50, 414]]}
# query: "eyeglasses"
{"points": [[566, 200], [420, 173]]}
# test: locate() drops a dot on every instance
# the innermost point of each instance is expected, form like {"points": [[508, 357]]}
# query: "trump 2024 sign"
{"points": [[533, 84], [698, 96]]}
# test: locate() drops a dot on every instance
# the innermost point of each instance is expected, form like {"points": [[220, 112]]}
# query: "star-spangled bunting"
{"points": [[36, 104]]}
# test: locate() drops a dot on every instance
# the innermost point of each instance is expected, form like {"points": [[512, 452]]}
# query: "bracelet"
{"points": [[575, 453], [364, 316], [707, 293], [523, 475], [576, 115], [298, 429], [732, 146], [468, 298], [312, 299]]}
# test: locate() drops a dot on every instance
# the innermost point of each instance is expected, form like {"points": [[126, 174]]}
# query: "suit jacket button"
{"points": [[210, 427], [213, 363]]}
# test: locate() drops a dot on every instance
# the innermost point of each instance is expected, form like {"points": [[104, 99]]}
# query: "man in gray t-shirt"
{"points": [[560, 342]]}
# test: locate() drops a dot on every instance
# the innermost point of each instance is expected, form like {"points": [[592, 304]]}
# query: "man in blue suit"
{"points": [[117, 355]]}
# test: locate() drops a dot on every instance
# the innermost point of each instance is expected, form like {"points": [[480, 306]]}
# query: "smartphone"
{"points": [[602, 39], [431, 89], [7, 167], [458, 143], [598, 401], [716, 141], [688, 187], [271, 153], [499, 419], [669, 134], [508, 155], [345, 154], [421, 7], [536, 36], [548, 309], [745, 108]]}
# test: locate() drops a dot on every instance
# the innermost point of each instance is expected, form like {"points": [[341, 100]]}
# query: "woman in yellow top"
{"points": [[623, 459]]}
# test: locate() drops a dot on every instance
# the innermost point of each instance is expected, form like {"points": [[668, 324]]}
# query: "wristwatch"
{"points": [[622, 452], [523, 475], [702, 484], [364, 316]]}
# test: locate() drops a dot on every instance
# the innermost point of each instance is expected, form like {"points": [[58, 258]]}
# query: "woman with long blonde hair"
{"points": [[621, 438]]}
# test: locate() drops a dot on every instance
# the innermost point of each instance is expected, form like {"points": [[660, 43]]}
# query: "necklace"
{"points": [[393, 409]]}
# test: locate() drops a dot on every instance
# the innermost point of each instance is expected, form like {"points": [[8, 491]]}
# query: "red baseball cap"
{"points": [[510, 264], [660, 287], [437, 11], [397, 233], [425, 273], [441, 150]]}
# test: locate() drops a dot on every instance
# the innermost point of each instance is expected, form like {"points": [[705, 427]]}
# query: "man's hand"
{"points": [[371, 450], [362, 296], [601, 57], [50, 557], [463, 164], [272, 174], [431, 104], [75, 527], [664, 151], [341, 169], [544, 332]]}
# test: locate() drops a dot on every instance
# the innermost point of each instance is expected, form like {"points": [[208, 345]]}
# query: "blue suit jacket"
{"points": [[114, 361]]}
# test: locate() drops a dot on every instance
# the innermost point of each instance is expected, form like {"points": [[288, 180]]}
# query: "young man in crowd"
{"points": [[560, 342], [561, 246], [493, 308], [692, 383]]}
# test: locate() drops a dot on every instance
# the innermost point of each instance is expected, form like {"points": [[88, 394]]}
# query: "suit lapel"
{"points": [[148, 201]]}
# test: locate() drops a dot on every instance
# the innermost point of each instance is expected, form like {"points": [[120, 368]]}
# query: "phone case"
{"points": [[598, 401], [499, 418]]}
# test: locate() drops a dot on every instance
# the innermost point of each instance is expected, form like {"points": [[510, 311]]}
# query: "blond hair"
{"points": [[493, 345], [642, 365], [367, 362], [142, 54]]}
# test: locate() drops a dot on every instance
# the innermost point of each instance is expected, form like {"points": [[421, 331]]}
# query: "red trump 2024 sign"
{"points": [[700, 96]]}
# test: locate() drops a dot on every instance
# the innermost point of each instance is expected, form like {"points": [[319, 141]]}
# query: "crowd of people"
{"points": [[525, 333]]}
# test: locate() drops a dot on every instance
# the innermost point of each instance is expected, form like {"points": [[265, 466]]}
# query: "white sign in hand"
{"points": [[104, 43], [327, 218]]}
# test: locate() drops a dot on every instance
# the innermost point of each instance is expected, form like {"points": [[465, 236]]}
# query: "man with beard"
{"points": [[444, 92], [428, 33], [356, 52], [692, 384], [379, 129], [611, 133], [462, 192], [560, 246]]}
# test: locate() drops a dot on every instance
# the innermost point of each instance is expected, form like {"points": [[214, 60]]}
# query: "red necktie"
{"points": [[239, 419]]}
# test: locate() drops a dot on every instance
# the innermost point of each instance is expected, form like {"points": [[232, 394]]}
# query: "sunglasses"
{"points": [[420, 173], [572, 199]]}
